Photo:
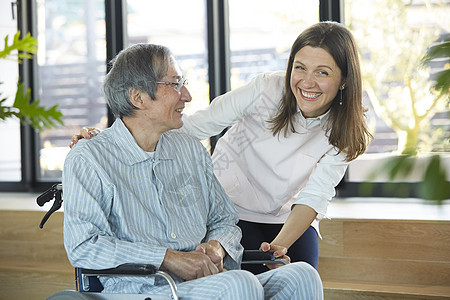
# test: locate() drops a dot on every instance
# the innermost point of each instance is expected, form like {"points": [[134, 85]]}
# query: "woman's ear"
{"points": [[136, 98]]}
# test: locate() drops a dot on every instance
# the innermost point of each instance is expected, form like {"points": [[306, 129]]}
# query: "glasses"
{"points": [[178, 85]]}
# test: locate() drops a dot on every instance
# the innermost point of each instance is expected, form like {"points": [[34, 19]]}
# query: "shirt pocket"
{"points": [[185, 201]]}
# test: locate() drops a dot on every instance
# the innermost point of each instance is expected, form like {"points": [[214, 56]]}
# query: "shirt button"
{"points": [[173, 235]]}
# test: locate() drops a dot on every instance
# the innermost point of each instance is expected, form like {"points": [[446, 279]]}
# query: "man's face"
{"points": [[165, 111]]}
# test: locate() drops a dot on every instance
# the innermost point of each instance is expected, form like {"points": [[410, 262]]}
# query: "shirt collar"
{"points": [[309, 123], [133, 153]]}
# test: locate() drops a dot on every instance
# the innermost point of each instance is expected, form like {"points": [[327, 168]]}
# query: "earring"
{"points": [[340, 98]]}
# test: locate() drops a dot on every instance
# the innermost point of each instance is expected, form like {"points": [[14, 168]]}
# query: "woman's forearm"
{"points": [[299, 220]]}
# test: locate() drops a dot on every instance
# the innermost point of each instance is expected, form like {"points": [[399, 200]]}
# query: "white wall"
{"points": [[9, 129]]}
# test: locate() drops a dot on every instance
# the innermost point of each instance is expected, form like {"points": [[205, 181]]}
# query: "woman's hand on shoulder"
{"points": [[85, 133]]}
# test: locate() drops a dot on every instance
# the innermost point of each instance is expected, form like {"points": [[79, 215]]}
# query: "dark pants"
{"points": [[306, 248]]}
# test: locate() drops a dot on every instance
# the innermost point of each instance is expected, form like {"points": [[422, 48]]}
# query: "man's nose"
{"points": [[185, 95]]}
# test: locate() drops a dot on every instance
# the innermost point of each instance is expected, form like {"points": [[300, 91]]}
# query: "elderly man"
{"points": [[141, 193]]}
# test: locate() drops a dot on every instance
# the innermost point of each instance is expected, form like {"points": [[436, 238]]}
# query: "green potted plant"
{"points": [[23, 108]]}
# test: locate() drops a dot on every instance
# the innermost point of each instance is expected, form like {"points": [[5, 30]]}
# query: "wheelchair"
{"points": [[89, 287]]}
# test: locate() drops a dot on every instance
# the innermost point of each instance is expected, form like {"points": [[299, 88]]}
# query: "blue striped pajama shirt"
{"points": [[123, 205]]}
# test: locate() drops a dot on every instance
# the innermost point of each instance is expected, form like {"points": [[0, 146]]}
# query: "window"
{"points": [[262, 32], [181, 26], [71, 65], [392, 36]]}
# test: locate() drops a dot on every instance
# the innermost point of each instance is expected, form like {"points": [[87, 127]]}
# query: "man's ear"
{"points": [[136, 98]]}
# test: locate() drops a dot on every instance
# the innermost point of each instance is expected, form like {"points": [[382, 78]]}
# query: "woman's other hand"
{"points": [[280, 252]]}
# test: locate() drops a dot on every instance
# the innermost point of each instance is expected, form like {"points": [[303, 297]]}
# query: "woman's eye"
{"points": [[322, 73]]}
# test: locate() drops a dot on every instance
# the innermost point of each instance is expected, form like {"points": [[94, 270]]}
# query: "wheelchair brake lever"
{"points": [[47, 195], [54, 192]]}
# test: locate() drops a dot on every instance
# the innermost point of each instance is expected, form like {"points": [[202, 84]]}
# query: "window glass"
{"points": [[262, 32], [10, 169], [181, 26], [404, 112], [71, 66]]}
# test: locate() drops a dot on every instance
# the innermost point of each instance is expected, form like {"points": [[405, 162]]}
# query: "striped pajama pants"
{"points": [[290, 282]]}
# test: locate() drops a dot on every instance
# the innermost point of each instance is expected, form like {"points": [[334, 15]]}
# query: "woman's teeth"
{"points": [[310, 95]]}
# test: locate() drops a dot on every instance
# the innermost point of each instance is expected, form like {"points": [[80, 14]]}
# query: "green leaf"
{"points": [[27, 45], [5, 111], [443, 81], [434, 185], [441, 50], [39, 117]]}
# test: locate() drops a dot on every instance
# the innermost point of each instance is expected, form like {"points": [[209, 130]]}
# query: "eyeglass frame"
{"points": [[179, 85]]}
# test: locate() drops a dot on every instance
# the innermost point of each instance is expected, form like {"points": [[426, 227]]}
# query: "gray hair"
{"points": [[138, 66]]}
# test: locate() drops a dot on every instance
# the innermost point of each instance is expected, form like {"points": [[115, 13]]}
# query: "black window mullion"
{"points": [[331, 10], [26, 22], [115, 20], [218, 51]]}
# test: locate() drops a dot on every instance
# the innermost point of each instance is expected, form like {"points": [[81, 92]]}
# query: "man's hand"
{"points": [[280, 252], [189, 265], [85, 133], [214, 251]]}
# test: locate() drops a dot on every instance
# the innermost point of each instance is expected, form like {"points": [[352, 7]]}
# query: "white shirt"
{"points": [[264, 175]]}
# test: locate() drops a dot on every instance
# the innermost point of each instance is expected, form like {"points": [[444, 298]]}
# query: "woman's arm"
{"points": [[299, 220], [224, 110], [312, 200]]}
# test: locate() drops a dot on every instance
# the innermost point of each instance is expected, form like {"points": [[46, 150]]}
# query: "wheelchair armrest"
{"points": [[123, 270], [249, 257]]}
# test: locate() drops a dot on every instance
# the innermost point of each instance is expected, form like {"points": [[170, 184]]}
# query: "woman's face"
{"points": [[315, 80]]}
